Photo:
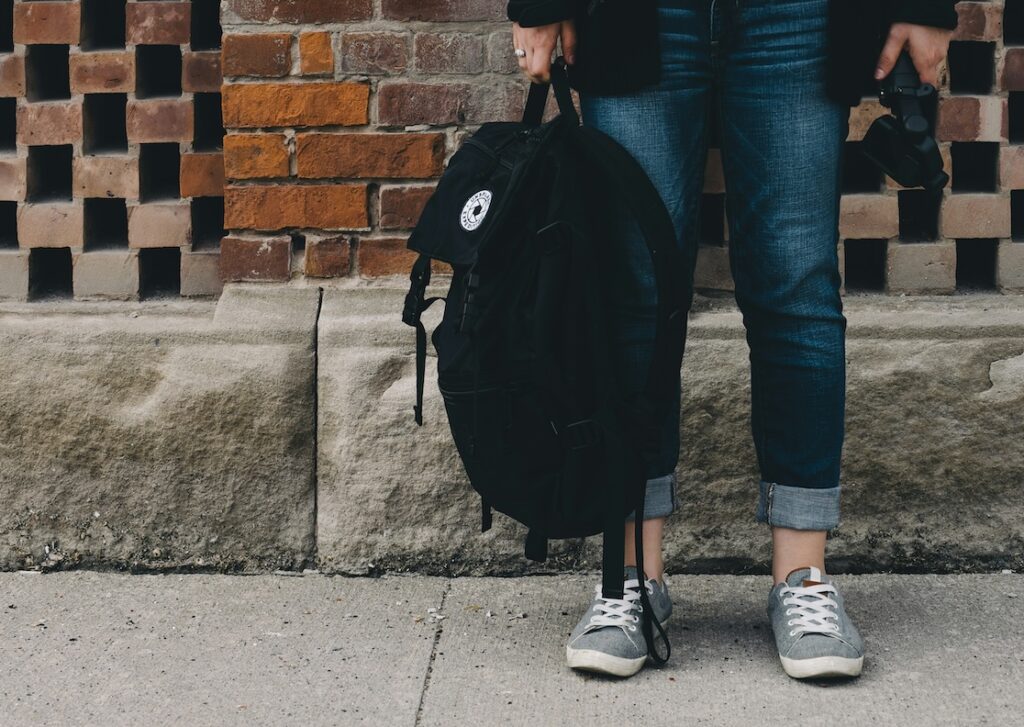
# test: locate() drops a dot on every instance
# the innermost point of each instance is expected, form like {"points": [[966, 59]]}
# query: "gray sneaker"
{"points": [[608, 639], [814, 635]]}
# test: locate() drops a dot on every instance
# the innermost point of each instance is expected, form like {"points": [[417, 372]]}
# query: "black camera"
{"points": [[903, 144]]}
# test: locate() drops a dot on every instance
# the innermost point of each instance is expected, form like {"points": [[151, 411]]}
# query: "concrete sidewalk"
{"points": [[87, 648]]}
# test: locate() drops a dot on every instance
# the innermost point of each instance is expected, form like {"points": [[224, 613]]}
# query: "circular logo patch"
{"points": [[475, 211]]}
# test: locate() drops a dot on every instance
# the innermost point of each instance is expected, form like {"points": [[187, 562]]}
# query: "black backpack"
{"points": [[526, 215]]}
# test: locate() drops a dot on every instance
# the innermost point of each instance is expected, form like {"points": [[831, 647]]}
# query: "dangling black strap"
{"points": [[415, 304], [649, 623]]}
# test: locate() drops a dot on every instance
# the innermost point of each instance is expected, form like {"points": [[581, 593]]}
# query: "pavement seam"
{"points": [[433, 653]]}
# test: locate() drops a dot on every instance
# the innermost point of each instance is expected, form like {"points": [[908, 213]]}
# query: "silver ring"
{"points": [[520, 53]]}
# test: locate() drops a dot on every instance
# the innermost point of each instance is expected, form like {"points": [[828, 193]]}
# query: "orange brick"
{"points": [[103, 72], [248, 105], [12, 178], [51, 224], [386, 256], [163, 224], [869, 216], [158, 23], [59, 23], [976, 216], [324, 207], [255, 156], [12, 76], [106, 175], [255, 258], [159, 119], [202, 175], [316, 54], [58, 122], [266, 54], [327, 257], [413, 156], [200, 72]]}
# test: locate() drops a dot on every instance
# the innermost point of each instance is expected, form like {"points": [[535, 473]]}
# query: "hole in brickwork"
{"points": [[976, 264], [712, 219], [47, 74], [206, 30], [971, 67], [298, 242], [1017, 215], [975, 166], [865, 265], [207, 222], [103, 24], [157, 71], [8, 124], [159, 272], [6, 26], [103, 119], [209, 123], [8, 224], [159, 169], [919, 215], [859, 174], [49, 173], [1013, 22], [49, 272], [106, 223], [1016, 114]]}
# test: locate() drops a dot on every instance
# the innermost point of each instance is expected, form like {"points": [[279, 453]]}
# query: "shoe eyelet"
{"points": [[636, 619], [631, 628], [792, 633]]}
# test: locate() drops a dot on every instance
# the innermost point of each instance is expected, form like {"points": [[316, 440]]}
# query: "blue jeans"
{"points": [[763, 63]]}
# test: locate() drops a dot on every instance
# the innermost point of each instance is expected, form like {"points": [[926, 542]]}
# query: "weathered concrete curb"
{"points": [[934, 462], [266, 432], [159, 435]]}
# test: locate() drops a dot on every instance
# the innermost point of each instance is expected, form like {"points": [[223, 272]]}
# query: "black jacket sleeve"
{"points": [[937, 13], [532, 13]]}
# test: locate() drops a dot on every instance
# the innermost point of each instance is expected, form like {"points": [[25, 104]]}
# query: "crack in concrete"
{"points": [[315, 555], [433, 653]]}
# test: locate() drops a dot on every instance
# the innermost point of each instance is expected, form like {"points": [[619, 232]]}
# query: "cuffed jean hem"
{"points": [[799, 508], [660, 500]]}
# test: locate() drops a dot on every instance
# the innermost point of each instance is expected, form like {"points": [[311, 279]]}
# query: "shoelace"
{"points": [[813, 608], [622, 612]]}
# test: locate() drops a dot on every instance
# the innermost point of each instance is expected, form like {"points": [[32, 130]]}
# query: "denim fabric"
{"points": [[760, 66]]}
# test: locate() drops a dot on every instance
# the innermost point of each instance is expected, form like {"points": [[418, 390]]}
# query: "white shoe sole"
{"points": [[600, 663], [822, 667]]}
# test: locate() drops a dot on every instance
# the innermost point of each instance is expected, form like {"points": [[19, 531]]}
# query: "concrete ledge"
{"points": [[934, 462], [159, 435], [274, 430]]}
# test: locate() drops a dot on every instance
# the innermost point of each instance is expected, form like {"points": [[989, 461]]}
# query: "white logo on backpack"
{"points": [[475, 211]]}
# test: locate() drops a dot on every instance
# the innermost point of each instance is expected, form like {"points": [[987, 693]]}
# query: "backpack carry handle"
{"points": [[537, 101]]}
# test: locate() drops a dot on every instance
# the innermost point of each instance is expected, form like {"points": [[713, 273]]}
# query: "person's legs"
{"points": [[664, 129], [782, 153]]}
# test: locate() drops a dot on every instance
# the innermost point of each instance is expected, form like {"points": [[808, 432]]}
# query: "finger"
{"points": [[890, 54], [517, 44], [569, 41], [540, 63]]}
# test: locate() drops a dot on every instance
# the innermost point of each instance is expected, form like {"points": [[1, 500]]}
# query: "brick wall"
{"points": [[111, 174], [340, 115]]}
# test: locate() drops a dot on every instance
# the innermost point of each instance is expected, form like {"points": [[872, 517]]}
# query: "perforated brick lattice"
{"points": [[340, 115], [111, 162]]}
